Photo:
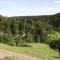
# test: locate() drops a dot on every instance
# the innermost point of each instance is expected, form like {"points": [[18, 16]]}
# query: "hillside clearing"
{"points": [[38, 50]]}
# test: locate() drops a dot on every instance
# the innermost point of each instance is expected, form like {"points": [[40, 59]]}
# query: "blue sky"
{"points": [[29, 7]]}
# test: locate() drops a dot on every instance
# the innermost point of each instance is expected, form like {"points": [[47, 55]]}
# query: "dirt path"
{"points": [[5, 55]]}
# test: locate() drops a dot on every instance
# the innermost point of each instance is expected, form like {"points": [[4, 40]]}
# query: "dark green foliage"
{"points": [[55, 44], [8, 39], [14, 27], [34, 28]]}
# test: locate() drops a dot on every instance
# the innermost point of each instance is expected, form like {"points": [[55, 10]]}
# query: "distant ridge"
{"points": [[57, 14]]}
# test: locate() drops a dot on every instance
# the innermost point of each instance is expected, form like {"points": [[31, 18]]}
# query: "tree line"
{"points": [[29, 29]]}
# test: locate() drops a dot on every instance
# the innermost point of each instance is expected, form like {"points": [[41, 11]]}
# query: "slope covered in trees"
{"points": [[19, 29]]}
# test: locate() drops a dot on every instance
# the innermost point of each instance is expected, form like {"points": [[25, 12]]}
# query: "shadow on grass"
{"points": [[58, 57]]}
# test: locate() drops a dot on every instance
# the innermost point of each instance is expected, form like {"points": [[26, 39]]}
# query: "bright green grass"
{"points": [[38, 50]]}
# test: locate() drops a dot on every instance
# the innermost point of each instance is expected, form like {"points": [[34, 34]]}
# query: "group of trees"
{"points": [[55, 44], [23, 29]]}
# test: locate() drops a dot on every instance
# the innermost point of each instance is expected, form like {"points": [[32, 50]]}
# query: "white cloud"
{"points": [[41, 11], [26, 11], [57, 1]]}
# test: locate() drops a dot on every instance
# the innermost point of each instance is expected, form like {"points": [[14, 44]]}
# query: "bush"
{"points": [[55, 44], [8, 39], [1, 39], [51, 37]]}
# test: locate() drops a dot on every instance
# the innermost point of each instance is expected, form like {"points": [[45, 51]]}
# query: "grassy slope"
{"points": [[37, 49]]}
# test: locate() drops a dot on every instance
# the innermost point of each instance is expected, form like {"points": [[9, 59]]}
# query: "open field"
{"points": [[38, 50], [7, 55]]}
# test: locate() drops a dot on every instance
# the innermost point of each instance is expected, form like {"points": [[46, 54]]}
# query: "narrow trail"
{"points": [[17, 56]]}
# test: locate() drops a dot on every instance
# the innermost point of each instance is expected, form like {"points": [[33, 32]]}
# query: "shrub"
{"points": [[55, 44], [8, 39], [51, 37]]}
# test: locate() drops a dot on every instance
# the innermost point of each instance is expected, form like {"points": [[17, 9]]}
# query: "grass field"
{"points": [[38, 50]]}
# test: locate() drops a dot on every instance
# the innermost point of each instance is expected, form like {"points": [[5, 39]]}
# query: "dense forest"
{"points": [[30, 29]]}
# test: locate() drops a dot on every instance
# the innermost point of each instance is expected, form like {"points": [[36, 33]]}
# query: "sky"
{"points": [[29, 7]]}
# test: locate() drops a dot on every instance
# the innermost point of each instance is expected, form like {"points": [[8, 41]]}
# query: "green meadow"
{"points": [[38, 50]]}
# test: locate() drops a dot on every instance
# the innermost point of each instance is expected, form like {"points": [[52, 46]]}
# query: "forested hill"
{"points": [[32, 28]]}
